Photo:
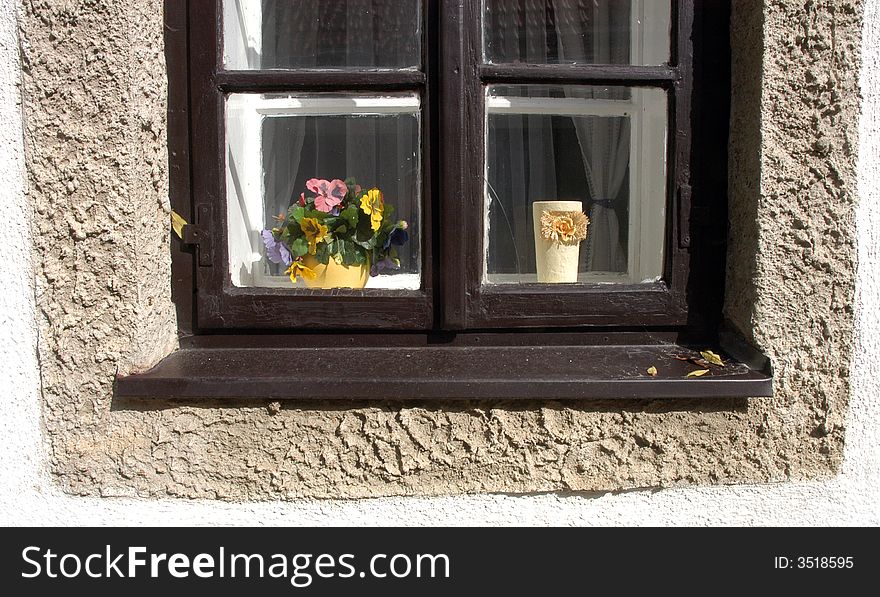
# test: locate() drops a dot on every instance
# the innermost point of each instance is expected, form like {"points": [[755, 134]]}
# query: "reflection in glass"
{"points": [[288, 34], [603, 146], [577, 31], [277, 142]]}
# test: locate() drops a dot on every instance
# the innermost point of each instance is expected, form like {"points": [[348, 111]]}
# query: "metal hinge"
{"points": [[196, 234], [684, 216]]}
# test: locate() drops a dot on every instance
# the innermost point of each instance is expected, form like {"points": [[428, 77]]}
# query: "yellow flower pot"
{"points": [[334, 275]]}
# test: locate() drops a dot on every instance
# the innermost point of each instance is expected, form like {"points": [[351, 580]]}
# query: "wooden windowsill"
{"points": [[255, 367]]}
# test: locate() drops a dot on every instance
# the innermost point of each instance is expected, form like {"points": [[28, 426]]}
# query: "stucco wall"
{"points": [[94, 121]]}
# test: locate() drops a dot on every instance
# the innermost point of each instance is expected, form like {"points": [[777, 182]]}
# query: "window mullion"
{"points": [[595, 74], [315, 80]]}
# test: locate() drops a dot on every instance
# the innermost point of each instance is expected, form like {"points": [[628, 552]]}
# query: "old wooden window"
{"points": [[466, 112]]}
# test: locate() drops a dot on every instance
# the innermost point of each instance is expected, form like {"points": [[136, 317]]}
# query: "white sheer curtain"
{"points": [[560, 31], [377, 151], [339, 33], [604, 142], [521, 147]]}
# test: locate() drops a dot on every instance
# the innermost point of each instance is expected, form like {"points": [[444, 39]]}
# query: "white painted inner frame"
{"points": [[245, 113], [243, 34], [648, 113]]}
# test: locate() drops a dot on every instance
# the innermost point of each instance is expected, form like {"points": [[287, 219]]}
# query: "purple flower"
{"points": [[387, 263], [398, 238], [276, 251]]}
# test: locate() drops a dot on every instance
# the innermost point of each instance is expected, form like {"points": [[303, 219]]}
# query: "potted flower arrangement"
{"points": [[336, 235]]}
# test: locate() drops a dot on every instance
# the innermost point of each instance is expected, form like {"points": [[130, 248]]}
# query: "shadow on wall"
{"points": [[744, 188], [642, 406]]}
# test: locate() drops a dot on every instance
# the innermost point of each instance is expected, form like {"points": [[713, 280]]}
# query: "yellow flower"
{"points": [[298, 269], [373, 204], [315, 233]]}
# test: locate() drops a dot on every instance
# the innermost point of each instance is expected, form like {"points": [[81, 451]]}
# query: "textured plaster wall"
{"points": [[96, 178]]}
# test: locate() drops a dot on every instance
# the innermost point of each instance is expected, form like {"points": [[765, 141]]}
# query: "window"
{"points": [[469, 115], [576, 101]]}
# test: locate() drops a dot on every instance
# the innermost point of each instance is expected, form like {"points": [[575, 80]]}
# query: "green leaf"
{"points": [[368, 244], [352, 254], [293, 230], [364, 230], [296, 213], [350, 215], [315, 214], [323, 254], [338, 251], [381, 237], [299, 247], [356, 256]]}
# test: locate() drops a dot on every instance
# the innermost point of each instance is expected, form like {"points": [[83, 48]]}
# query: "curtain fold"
{"points": [[604, 142], [523, 152]]}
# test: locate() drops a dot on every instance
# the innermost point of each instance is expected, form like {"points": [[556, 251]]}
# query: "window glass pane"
{"points": [[278, 143], [288, 34], [633, 32], [601, 147]]}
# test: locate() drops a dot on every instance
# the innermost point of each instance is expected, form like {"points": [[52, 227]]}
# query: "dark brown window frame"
{"points": [[470, 304], [461, 302], [449, 339], [221, 305]]}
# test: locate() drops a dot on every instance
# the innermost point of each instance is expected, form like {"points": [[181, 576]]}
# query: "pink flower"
{"points": [[328, 194]]}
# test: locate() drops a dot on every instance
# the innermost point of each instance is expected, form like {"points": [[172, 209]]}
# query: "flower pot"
{"points": [[557, 263], [334, 275]]}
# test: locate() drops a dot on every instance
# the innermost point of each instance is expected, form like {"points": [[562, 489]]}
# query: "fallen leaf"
{"points": [[652, 371], [694, 361], [712, 358], [177, 223], [698, 373]]}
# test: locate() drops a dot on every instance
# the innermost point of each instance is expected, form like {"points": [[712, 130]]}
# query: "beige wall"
{"points": [[94, 117]]}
